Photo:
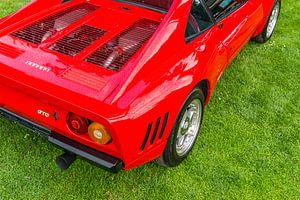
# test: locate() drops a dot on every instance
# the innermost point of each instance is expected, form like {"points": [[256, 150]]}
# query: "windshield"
{"points": [[159, 4]]}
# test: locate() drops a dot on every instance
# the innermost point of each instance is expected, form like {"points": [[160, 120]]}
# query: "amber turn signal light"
{"points": [[99, 134]]}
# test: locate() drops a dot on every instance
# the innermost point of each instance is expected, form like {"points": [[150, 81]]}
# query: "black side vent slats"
{"points": [[118, 51], [162, 130], [77, 40], [147, 136], [155, 131], [39, 31]]}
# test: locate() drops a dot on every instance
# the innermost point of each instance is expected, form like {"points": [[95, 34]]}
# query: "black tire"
{"points": [[170, 157], [263, 37]]}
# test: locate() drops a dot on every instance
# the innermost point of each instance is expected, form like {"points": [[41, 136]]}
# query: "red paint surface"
{"points": [[156, 80]]}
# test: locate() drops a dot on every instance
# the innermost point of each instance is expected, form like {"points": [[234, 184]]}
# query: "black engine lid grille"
{"points": [[78, 40], [45, 28], [119, 50]]}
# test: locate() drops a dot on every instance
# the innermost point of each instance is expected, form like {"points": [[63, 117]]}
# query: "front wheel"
{"points": [[185, 131], [270, 25]]}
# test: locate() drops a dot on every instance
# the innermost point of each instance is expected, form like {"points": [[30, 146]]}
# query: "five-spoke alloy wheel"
{"points": [[185, 131]]}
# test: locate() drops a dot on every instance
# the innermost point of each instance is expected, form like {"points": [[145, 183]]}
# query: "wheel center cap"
{"points": [[185, 126]]}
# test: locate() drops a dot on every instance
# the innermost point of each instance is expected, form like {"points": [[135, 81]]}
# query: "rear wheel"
{"points": [[270, 25], [185, 131]]}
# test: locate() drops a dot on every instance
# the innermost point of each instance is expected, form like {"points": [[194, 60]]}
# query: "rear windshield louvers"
{"points": [[118, 51], [41, 30], [155, 131], [78, 40]]}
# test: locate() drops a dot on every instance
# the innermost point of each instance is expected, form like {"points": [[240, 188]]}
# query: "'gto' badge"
{"points": [[43, 113], [37, 66]]}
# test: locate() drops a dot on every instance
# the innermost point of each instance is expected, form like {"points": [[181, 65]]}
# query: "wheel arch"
{"points": [[205, 85], [267, 7]]}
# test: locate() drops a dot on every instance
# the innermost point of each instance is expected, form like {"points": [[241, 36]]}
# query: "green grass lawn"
{"points": [[249, 148]]}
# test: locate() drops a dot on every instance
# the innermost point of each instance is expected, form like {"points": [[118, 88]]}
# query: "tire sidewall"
{"points": [[264, 33], [170, 154]]}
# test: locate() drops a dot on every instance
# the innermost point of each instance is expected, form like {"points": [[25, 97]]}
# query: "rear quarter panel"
{"points": [[159, 83]]}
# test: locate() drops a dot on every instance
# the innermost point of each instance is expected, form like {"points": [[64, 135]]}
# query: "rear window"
{"points": [[158, 4]]}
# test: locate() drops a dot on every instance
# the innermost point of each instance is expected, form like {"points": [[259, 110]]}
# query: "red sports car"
{"points": [[122, 82]]}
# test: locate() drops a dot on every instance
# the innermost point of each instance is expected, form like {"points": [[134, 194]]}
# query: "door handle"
{"points": [[220, 26]]}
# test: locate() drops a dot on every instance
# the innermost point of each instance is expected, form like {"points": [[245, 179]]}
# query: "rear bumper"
{"points": [[102, 160], [128, 128], [24, 122]]}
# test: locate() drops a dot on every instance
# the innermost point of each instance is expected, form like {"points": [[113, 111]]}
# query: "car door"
{"points": [[204, 43], [236, 21]]}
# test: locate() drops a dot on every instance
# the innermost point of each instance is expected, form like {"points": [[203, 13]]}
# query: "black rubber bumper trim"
{"points": [[102, 160], [24, 122]]}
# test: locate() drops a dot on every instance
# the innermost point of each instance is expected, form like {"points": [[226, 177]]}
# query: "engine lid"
{"points": [[79, 47]]}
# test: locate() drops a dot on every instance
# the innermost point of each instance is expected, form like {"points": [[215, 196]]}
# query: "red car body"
{"points": [[138, 100]]}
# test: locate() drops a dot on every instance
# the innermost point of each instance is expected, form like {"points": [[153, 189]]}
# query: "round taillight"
{"points": [[77, 124], [99, 134]]}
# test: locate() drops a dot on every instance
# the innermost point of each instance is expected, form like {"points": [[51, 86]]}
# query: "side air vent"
{"points": [[154, 132], [117, 52], [87, 79], [78, 40], [10, 51], [41, 30]]}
